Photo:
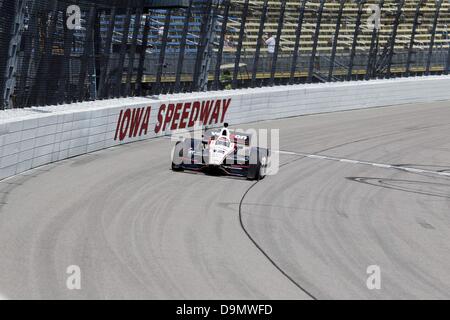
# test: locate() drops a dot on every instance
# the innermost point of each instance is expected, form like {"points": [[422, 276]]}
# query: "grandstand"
{"points": [[344, 41], [421, 44], [328, 24], [133, 51]]}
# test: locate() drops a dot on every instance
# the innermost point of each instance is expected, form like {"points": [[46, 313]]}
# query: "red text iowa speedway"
{"points": [[135, 122]]}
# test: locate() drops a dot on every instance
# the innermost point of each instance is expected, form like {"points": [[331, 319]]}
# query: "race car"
{"points": [[221, 152]]}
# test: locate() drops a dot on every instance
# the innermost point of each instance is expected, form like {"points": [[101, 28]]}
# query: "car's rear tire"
{"points": [[263, 165], [258, 162], [177, 162]]}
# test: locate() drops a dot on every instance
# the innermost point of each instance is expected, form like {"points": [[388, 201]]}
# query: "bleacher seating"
{"points": [[157, 20], [328, 24], [327, 28]]}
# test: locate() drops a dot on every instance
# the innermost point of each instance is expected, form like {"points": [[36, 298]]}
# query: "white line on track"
{"points": [[373, 164]]}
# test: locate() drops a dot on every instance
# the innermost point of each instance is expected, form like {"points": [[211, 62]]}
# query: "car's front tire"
{"points": [[258, 163], [177, 157]]}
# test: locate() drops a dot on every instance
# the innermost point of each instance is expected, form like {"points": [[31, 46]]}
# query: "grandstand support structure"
{"points": [[7, 8], [277, 42], [223, 31], [298, 34], [162, 51], [88, 55], [312, 60], [122, 54], [144, 46], [393, 37], [27, 42], [447, 61], [237, 61], [433, 35], [373, 50], [206, 41], [335, 39], [416, 24], [132, 52], [106, 55], [44, 64], [11, 65], [201, 48], [355, 38], [259, 39], [187, 18], [63, 89]]}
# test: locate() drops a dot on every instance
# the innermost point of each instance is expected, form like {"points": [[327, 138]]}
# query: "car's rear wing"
{"points": [[235, 136]]}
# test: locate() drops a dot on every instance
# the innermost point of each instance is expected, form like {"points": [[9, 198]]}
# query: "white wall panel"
{"points": [[57, 132]]}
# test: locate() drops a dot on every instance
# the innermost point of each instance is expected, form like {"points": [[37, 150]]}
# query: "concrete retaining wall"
{"points": [[33, 137]]}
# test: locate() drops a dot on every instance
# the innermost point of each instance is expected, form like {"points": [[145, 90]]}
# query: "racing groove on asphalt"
{"points": [[138, 230]]}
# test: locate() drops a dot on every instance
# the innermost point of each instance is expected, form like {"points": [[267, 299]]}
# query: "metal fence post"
{"points": [[41, 85], [394, 36], [298, 34], [6, 22], [201, 46], [36, 32], [13, 47], [102, 90], [355, 39], [183, 47], [315, 41], [447, 62], [88, 50], [433, 35], [27, 40], [131, 56], [64, 80], [209, 42], [262, 22], [226, 13], [122, 54], [162, 51], [373, 50], [140, 71], [413, 37], [237, 61], [277, 42], [335, 39]]}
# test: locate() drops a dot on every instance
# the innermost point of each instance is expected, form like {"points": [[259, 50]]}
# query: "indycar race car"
{"points": [[222, 152]]}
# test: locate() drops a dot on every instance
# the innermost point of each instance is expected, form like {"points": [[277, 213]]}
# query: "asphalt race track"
{"points": [[139, 231]]}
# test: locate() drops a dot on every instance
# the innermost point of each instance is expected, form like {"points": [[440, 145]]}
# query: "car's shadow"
{"points": [[212, 175]]}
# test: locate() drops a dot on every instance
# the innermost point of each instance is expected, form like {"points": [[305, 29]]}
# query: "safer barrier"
{"points": [[37, 136]]}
